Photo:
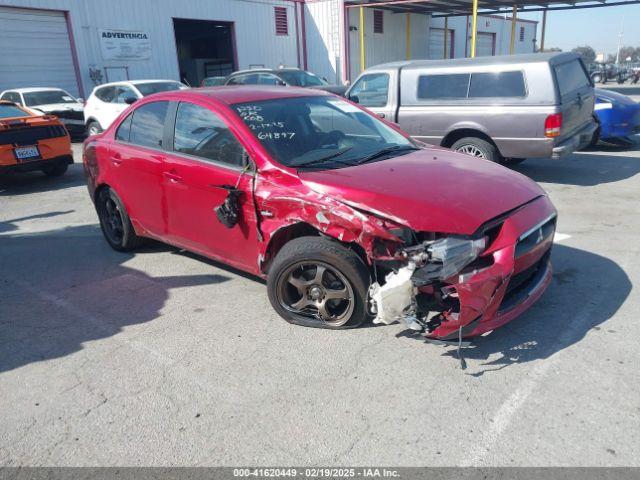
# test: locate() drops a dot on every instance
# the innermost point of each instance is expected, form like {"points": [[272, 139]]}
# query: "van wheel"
{"points": [[115, 223], [93, 128], [477, 147], [55, 170], [317, 282], [597, 78]]}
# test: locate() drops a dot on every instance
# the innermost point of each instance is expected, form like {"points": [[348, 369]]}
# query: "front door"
{"points": [[206, 159]]}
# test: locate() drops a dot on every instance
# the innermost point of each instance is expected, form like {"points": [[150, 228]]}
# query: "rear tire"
{"points": [[55, 170], [93, 128], [115, 223], [317, 282], [477, 147]]}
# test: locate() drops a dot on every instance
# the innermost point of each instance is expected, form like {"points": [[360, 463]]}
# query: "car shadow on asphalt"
{"points": [[587, 290], [64, 288], [585, 168], [35, 182]]}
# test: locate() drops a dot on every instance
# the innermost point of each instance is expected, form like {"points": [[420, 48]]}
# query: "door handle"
{"points": [[172, 177], [116, 159]]}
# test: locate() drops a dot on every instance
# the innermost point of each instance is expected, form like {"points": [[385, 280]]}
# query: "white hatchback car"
{"points": [[109, 100]]}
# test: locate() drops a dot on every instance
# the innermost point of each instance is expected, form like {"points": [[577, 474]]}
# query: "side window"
{"points": [[268, 79], [237, 80], [437, 87], [12, 97], [105, 94], [571, 76], [371, 90], [147, 125], [122, 134], [121, 94], [201, 133], [500, 84]]}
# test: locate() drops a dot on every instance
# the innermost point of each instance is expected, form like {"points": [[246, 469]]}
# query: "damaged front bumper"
{"points": [[507, 278]]}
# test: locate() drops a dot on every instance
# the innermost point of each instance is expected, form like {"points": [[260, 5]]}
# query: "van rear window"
{"points": [[499, 84], [435, 87], [571, 76]]}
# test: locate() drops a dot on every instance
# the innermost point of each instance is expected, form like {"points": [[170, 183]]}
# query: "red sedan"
{"points": [[346, 216]]}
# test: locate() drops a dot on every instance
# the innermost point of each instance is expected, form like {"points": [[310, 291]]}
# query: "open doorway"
{"points": [[205, 49]]}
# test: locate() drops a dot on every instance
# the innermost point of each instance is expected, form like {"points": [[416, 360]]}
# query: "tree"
{"points": [[587, 53], [630, 52]]}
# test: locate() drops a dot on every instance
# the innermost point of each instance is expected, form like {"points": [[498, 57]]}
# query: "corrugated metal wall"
{"points": [[256, 42], [390, 45], [324, 25], [501, 27]]}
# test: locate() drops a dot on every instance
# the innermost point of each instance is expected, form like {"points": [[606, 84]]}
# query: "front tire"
{"points": [[318, 282], [93, 128], [115, 223], [477, 147]]}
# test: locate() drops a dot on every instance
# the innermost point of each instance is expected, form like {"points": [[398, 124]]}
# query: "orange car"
{"points": [[30, 142]]}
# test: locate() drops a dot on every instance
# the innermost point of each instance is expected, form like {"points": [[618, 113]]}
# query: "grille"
{"points": [[535, 237], [521, 284], [70, 114], [30, 135]]}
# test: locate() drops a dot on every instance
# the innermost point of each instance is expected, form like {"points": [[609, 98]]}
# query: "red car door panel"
{"points": [[209, 157]]}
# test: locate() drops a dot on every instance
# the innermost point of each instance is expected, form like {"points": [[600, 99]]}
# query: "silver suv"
{"points": [[504, 109]]}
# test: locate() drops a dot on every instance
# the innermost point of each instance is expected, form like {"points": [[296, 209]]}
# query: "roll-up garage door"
{"points": [[36, 50], [486, 44], [436, 43]]}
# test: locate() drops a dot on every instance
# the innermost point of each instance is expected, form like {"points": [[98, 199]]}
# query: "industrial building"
{"points": [[77, 44]]}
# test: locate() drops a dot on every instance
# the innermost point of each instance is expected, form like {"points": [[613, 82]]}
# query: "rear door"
{"points": [[576, 96], [205, 158], [137, 159]]}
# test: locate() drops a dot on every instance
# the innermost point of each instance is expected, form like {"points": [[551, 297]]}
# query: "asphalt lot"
{"points": [[164, 358]]}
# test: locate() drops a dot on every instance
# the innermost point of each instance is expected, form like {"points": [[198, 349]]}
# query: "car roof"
{"points": [[34, 89], [266, 70], [551, 57], [233, 94], [136, 82]]}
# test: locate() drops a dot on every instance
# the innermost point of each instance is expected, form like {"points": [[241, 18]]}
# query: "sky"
{"points": [[597, 27]]}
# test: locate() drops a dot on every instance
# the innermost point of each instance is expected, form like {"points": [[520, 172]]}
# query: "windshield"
{"points": [[300, 78], [156, 87], [320, 132], [47, 97], [11, 111]]}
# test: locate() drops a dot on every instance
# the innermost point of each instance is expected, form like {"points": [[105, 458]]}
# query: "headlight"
{"points": [[446, 257]]}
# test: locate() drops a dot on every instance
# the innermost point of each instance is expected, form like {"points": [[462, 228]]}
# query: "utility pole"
{"points": [[619, 43]]}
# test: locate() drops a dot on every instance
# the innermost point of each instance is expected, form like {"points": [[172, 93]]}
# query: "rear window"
{"points": [[571, 76], [11, 111], [499, 84], [435, 87]]}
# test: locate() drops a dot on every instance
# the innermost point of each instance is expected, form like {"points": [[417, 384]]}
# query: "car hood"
{"points": [[337, 89], [613, 97], [57, 107], [428, 190]]}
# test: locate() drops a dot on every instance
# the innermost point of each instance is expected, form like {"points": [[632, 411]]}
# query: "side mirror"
{"points": [[80, 100], [130, 100], [280, 83]]}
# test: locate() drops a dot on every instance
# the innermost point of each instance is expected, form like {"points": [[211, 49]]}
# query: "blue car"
{"points": [[618, 116]]}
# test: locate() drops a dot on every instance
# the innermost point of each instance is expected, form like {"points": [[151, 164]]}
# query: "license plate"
{"points": [[27, 153]]}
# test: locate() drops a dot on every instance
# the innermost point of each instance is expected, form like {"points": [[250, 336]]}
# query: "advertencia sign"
{"points": [[124, 45]]}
